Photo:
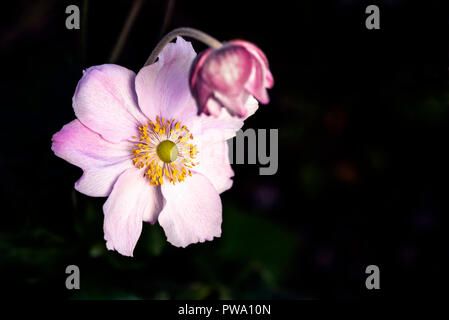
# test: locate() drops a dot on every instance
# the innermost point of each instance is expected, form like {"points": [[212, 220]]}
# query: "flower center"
{"points": [[167, 151], [163, 148]]}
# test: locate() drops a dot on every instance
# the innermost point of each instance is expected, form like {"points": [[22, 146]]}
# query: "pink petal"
{"points": [[251, 107], [163, 88], [214, 164], [234, 104], [106, 103], [212, 107], [259, 55], [203, 94], [255, 84], [192, 212], [197, 64], [216, 109], [218, 128], [252, 48], [101, 161], [223, 126], [98, 182], [132, 201]]}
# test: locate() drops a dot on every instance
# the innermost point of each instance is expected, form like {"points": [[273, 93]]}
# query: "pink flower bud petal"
{"points": [[234, 104], [258, 54], [227, 70], [227, 76], [213, 107], [255, 84]]}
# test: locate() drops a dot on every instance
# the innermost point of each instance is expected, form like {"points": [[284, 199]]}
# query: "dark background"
{"points": [[362, 179]]}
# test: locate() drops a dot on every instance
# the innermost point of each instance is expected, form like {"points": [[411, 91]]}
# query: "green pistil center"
{"points": [[167, 151]]}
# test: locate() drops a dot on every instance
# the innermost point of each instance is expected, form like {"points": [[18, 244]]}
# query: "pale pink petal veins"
{"points": [[105, 102], [214, 163], [101, 161], [211, 135], [163, 88], [98, 182], [132, 201], [192, 212], [222, 126], [218, 128]]}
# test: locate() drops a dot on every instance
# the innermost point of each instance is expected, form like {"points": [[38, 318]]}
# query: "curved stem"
{"points": [[187, 32]]}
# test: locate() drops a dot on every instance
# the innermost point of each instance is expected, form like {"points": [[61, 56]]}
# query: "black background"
{"points": [[362, 179]]}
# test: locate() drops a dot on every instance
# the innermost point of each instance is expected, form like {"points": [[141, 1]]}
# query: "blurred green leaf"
{"points": [[152, 239], [196, 291], [311, 178], [268, 246]]}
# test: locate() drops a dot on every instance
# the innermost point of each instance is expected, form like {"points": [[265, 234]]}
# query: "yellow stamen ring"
{"points": [[163, 149]]}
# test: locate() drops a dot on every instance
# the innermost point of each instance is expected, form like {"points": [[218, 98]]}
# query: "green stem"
{"points": [[187, 32]]}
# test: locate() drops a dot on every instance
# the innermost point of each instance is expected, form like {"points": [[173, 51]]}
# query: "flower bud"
{"points": [[227, 76]]}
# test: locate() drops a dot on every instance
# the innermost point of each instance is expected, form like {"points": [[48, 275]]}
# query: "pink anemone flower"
{"points": [[227, 77], [140, 142]]}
